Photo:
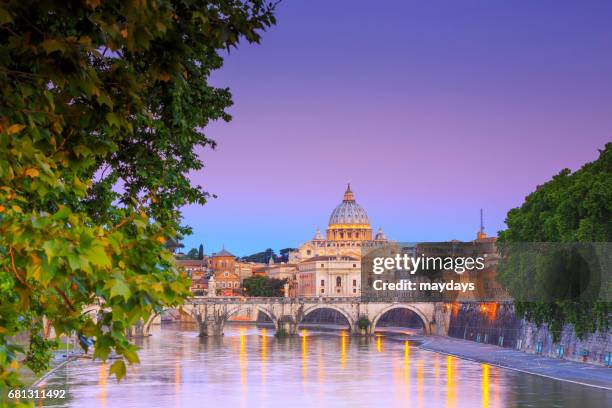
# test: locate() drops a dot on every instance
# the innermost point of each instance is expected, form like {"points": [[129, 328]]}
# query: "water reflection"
{"points": [[485, 386], [249, 367], [102, 384], [242, 357], [343, 349], [264, 354], [304, 335], [450, 383]]}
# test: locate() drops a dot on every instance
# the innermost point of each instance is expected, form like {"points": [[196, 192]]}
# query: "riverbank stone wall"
{"points": [[497, 324]]}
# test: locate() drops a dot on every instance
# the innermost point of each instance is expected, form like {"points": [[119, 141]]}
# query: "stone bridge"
{"points": [[211, 313]]}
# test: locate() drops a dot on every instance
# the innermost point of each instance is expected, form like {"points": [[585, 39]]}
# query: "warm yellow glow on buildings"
{"points": [[331, 265]]}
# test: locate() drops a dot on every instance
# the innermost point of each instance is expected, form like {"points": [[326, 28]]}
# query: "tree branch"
{"points": [[63, 295], [17, 275]]}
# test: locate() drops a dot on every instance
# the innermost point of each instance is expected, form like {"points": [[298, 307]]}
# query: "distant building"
{"points": [[282, 271], [277, 270], [347, 233], [331, 265], [223, 266], [486, 286], [245, 269], [198, 271], [193, 266], [223, 261], [329, 276], [228, 283]]}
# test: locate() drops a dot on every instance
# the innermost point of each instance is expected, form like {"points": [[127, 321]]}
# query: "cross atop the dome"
{"points": [[348, 194]]}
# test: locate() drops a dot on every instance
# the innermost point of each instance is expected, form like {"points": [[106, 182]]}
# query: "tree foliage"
{"points": [[103, 107], [261, 257], [192, 254], [571, 208], [284, 254], [363, 323], [262, 286]]}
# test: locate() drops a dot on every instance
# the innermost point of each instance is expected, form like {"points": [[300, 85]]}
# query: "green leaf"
{"points": [[119, 288], [52, 45], [117, 368], [74, 261], [39, 221], [62, 213], [5, 16], [54, 248], [113, 119], [81, 150], [131, 356], [97, 256]]}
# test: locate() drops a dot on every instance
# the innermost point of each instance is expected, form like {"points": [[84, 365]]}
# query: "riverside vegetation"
{"points": [[571, 208]]}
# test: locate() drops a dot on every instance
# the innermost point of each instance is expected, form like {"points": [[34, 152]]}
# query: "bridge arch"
{"points": [[146, 327], [259, 308], [407, 306], [352, 324]]}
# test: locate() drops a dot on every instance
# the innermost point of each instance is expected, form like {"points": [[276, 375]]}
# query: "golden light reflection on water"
{"points": [[485, 386], [242, 357], [420, 383], [177, 378], [264, 354], [378, 343], [304, 335], [451, 396], [102, 384], [407, 369], [320, 366], [496, 399], [343, 349]]}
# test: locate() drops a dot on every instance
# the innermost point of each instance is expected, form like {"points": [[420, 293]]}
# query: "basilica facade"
{"points": [[330, 265], [348, 231]]}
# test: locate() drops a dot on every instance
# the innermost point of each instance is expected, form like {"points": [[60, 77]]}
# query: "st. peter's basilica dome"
{"points": [[349, 212]]}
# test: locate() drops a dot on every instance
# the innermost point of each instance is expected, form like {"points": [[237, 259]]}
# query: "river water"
{"points": [[249, 367]]}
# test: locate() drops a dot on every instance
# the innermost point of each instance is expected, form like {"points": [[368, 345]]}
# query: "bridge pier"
{"points": [[210, 319], [140, 329], [210, 329], [286, 326], [356, 331]]}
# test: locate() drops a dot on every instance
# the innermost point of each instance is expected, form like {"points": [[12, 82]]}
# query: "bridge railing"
{"points": [[315, 300], [290, 300], [277, 300]]}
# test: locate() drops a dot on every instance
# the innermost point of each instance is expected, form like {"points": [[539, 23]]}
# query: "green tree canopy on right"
{"points": [[571, 208]]}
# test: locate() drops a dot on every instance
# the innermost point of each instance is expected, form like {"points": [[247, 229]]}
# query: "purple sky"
{"points": [[431, 110]]}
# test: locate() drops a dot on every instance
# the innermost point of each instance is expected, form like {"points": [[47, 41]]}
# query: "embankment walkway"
{"points": [[558, 369]]}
